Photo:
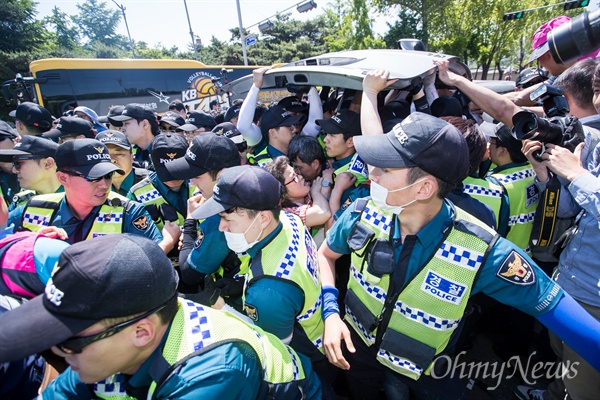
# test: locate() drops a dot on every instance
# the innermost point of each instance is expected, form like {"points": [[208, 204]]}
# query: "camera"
{"points": [[578, 37], [560, 129]]}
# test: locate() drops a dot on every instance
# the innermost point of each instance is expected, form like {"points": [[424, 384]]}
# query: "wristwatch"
{"points": [[326, 183]]}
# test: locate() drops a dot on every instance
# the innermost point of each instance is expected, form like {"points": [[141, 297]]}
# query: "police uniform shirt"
{"points": [[353, 192], [210, 248], [535, 294], [131, 179], [177, 199], [136, 220], [16, 204]]}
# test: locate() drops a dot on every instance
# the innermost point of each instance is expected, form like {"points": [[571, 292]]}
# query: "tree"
{"points": [[19, 30], [353, 27], [408, 25], [65, 35], [98, 23]]}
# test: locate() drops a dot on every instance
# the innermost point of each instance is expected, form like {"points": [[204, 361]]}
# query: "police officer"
{"points": [[196, 123], [416, 260], [282, 260], [122, 156], [139, 126], [31, 119], [88, 208], [35, 168], [125, 332], [69, 128]]}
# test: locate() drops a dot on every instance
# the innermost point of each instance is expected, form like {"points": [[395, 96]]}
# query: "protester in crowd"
{"points": [[112, 323], [575, 83], [70, 128], [122, 156], [529, 77], [9, 185], [31, 119], [177, 106], [87, 208], [307, 200], [91, 116], [391, 347], [140, 126], [308, 158], [33, 160]]}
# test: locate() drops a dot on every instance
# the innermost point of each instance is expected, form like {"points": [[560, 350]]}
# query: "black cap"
{"points": [[421, 140], [277, 116], [229, 130], [344, 121], [32, 114], [176, 105], [208, 152], [114, 110], [293, 104], [88, 285], [7, 131], [114, 137], [197, 119], [529, 74], [88, 156], [135, 110], [164, 149], [173, 119], [247, 187], [446, 106], [231, 112], [71, 126], [503, 134], [31, 145]]}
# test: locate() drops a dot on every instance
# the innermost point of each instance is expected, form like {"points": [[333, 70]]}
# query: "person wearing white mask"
{"points": [[415, 260], [282, 293]]}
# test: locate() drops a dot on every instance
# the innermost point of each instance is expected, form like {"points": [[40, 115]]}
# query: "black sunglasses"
{"points": [[108, 176], [77, 344], [17, 160]]}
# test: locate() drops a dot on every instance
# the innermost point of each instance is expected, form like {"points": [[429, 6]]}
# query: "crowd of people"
{"points": [[333, 244]]}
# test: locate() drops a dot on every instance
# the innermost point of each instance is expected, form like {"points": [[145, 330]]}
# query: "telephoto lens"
{"points": [[577, 38]]}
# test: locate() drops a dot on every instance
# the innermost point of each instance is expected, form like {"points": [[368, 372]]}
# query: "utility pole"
{"points": [[122, 8], [242, 34], [191, 32]]}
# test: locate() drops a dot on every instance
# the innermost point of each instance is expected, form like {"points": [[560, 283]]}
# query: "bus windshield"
{"points": [[61, 84]]}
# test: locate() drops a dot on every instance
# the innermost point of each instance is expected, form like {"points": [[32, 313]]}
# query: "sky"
{"points": [[165, 22]]}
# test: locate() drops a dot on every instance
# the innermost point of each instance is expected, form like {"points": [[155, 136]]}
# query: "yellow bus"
{"points": [[59, 84]]}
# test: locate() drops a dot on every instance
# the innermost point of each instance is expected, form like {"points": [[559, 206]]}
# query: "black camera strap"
{"points": [[546, 216]]}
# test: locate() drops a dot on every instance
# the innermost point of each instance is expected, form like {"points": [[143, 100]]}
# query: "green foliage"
{"points": [[98, 23], [408, 25], [65, 35], [19, 30], [352, 27]]}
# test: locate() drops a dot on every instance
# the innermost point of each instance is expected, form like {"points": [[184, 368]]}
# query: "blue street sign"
{"points": [[250, 40]]}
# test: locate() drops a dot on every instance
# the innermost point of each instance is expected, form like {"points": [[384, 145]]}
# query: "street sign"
{"points": [[250, 40]]}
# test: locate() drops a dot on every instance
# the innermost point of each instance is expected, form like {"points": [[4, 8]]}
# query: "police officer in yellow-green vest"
{"points": [[416, 260], [111, 310], [88, 208]]}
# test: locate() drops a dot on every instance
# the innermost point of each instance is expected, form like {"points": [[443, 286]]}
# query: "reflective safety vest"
{"points": [[197, 329], [40, 211], [21, 198], [486, 192], [292, 256], [261, 159], [412, 324], [18, 273], [149, 196], [357, 167], [523, 197]]}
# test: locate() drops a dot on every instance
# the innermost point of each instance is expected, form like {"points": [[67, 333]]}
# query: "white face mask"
{"points": [[237, 241], [379, 195]]}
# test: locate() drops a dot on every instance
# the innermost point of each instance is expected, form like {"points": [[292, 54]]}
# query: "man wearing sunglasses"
{"points": [[33, 164], [124, 331], [88, 208]]}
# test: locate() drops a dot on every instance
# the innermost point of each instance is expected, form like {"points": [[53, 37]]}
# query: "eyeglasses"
{"points": [[295, 178], [167, 128], [76, 345], [108, 176], [17, 160]]}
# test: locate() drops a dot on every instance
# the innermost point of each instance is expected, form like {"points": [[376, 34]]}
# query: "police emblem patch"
{"points": [[141, 223], [199, 240], [251, 311], [515, 269], [533, 195]]}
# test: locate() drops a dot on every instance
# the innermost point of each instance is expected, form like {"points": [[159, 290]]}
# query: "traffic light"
{"points": [[514, 15], [576, 4]]}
